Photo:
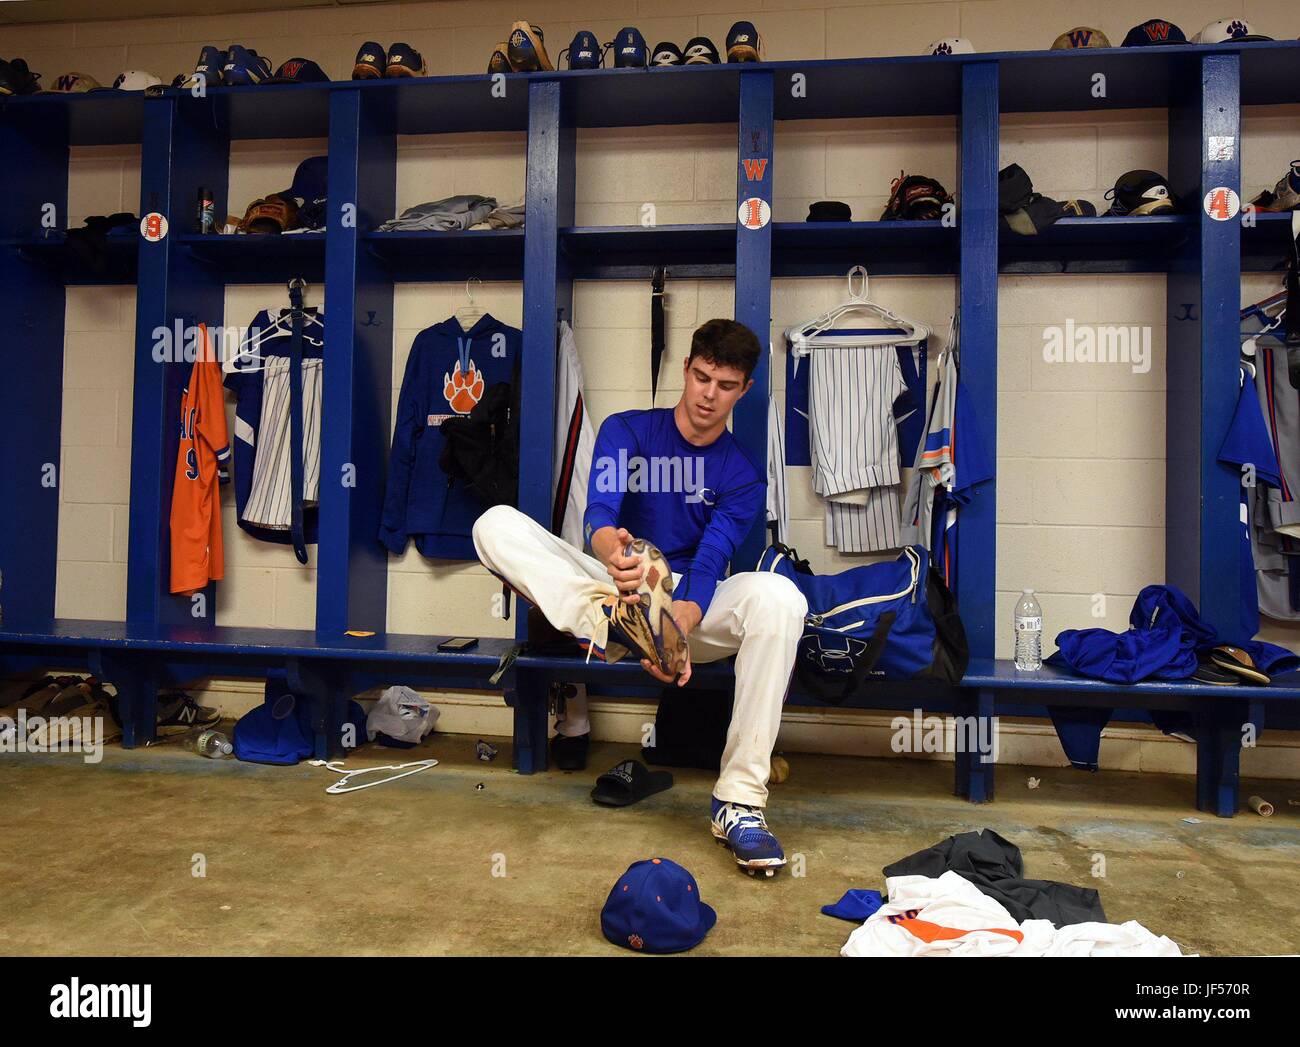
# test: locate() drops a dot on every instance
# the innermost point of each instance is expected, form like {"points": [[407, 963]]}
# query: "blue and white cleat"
{"points": [[744, 830]]}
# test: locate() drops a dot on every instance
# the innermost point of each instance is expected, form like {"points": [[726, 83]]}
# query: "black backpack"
{"points": [[481, 449]]}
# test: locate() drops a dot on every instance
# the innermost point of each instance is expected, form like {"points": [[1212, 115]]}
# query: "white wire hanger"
{"points": [[343, 785], [818, 332], [468, 314], [250, 349]]}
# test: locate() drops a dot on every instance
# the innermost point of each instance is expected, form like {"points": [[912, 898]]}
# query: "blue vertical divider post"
{"points": [[548, 289], [32, 302], [352, 566], [754, 274], [181, 150], [1203, 294], [977, 297]]}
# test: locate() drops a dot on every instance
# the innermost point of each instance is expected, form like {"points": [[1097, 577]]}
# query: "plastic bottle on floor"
{"points": [[1029, 633], [210, 743]]}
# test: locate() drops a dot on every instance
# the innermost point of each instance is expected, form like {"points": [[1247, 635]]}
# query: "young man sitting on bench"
{"points": [[671, 495]]}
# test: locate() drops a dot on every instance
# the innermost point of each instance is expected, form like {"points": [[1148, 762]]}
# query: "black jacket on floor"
{"points": [[994, 866]]}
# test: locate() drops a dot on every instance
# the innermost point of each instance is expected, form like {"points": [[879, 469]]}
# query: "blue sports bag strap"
{"points": [[295, 420]]}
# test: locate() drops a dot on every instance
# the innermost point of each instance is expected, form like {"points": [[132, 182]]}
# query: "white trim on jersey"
{"points": [[575, 439], [778, 505]]}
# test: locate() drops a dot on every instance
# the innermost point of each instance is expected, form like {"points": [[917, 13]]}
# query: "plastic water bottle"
{"points": [[1029, 632], [209, 743]]}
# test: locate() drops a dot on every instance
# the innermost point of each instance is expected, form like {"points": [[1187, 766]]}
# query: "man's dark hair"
{"points": [[726, 343]]}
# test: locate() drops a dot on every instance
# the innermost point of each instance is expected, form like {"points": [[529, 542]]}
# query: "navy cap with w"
{"points": [[1155, 32]]}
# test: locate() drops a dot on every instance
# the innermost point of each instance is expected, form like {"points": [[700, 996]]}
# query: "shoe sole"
{"points": [[1246, 673], [521, 65], [767, 866], [742, 53], [365, 72], [394, 71], [655, 606]]}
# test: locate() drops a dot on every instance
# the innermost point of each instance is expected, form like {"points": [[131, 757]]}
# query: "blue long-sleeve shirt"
{"points": [[694, 503]]}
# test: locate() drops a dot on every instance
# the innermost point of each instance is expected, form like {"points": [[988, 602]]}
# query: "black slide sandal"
{"points": [[628, 782]]}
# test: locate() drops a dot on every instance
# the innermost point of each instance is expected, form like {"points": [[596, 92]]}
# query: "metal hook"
{"points": [[469, 291]]}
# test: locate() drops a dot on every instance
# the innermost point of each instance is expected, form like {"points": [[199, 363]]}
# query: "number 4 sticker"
{"points": [[1222, 203]]}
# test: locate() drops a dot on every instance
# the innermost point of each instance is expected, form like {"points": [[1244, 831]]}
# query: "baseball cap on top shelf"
{"points": [[1229, 31], [699, 50], [299, 71], [951, 45], [73, 83], [1079, 37], [1155, 32], [135, 80], [656, 907]]}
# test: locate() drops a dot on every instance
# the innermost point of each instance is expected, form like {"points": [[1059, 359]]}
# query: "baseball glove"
{"points": [[271, 214], [915, 198]]}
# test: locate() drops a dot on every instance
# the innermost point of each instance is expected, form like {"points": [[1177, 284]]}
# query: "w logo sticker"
{"points": [[1157, 30], [1081, 37], [754, 169]]}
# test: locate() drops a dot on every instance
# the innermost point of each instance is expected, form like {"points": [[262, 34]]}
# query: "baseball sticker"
{"points": [[1222, 203], [754, 213], [153, 227]]}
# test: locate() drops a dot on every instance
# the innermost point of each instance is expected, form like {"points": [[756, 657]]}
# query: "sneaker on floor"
{"points": [[405, 60], [178, 713], [744, 44], [647, 626], [370, 62], [526, 49], [744, 830], [500, 60]]}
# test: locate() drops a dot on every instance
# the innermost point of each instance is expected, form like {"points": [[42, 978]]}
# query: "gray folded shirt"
{"points": [[454, 212]]}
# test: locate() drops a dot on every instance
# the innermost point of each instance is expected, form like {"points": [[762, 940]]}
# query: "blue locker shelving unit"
{"points": [[185, 143]]}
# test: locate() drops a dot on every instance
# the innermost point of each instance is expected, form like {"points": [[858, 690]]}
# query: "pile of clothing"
{"points": [[967, 896], [455, 213]]}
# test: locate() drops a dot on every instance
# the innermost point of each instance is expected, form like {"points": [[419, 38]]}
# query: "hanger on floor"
{"points": [[468, 314]]}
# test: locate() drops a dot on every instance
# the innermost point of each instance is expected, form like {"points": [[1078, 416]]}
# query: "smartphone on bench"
{"points": [[459, 643]]}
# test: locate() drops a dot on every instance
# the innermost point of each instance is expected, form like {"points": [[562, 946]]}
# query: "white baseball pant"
{"points": [[756, 616]]}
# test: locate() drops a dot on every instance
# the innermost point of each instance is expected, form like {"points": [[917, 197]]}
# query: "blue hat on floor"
{"points": [[656, 907]]}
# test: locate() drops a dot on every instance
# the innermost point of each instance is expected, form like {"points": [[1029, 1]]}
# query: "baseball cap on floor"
{"points": [[951, 45], [656, 907], [299, 71], [1229, 31], [1155, 32], [1080, 36]]}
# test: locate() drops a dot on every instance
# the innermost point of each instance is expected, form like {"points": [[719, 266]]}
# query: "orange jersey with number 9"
{"points": [[201, 466]]}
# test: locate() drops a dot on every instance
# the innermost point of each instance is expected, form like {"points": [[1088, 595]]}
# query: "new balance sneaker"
{"points": [[526, 49], [178, 713], [743, 829], [629, 48], [370, 62], [743, 43], [666, 53], [699, 50], [584, 52], [207, 69], [404, 60], [647, 626], [1286, 194], [499, 62]]}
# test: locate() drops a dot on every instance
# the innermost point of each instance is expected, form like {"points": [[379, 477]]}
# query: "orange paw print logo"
{"points": [[463, 389], [636, 941]]}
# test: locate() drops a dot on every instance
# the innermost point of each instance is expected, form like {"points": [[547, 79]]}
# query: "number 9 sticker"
{"points": [[1222, 203], [153, 227]]}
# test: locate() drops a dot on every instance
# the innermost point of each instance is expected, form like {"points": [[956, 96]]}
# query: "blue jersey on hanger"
{"points": [[695, 503], [447, 373], [246, 383]]}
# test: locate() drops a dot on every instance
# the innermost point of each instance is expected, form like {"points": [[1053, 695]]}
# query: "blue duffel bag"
{"points": [[880, 621]]}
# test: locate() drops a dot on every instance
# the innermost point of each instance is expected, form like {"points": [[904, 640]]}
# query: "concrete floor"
{"points": [[99, 859]]}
